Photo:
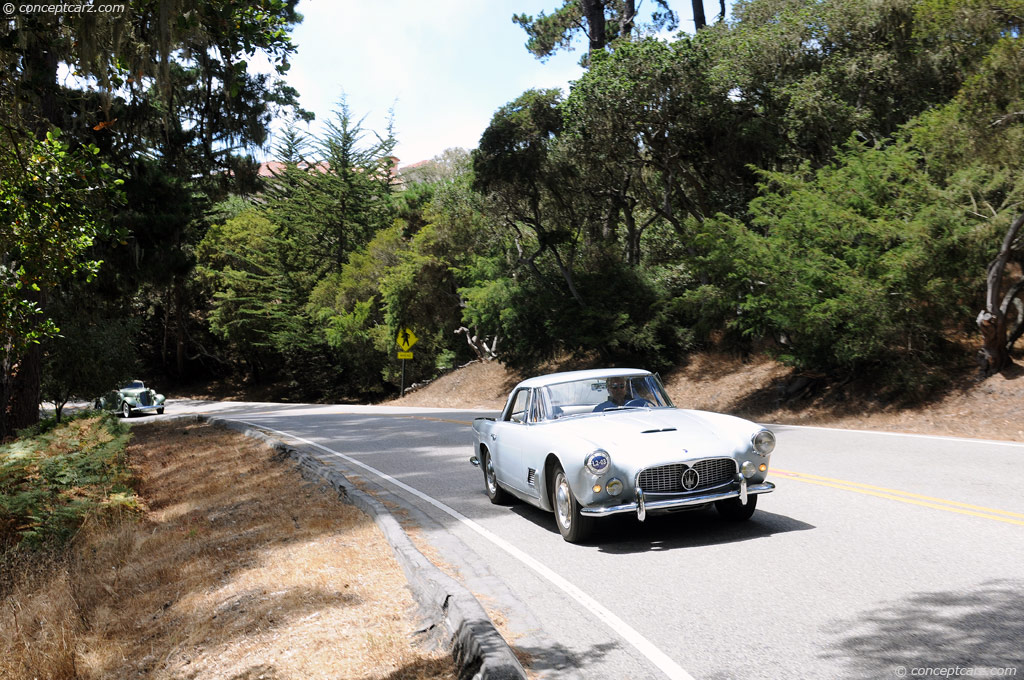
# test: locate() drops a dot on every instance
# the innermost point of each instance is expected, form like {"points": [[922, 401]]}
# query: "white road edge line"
{"points": [[669, 667], [994, 442]]}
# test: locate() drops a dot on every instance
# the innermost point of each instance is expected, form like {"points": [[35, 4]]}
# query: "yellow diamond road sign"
{"points": [[406, 339]]}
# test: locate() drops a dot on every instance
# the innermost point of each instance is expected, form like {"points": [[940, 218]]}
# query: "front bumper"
{"points": [[644, 504], [149, 407]]}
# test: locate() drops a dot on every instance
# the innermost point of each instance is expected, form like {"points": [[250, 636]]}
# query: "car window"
{"points": [[581, 396], [517, 411]]}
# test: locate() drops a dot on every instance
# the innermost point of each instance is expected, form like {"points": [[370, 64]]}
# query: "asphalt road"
{"points": [[878, 555]]}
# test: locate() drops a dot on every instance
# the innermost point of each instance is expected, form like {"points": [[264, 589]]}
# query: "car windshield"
{"points": [[133, 385], [603, 394]]}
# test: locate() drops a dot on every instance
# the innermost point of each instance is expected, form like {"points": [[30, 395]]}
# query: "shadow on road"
{"points": [[979, 626], [623, 534]]}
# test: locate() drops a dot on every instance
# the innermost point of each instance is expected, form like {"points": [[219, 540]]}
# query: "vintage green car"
{"points": [[134, 397]]}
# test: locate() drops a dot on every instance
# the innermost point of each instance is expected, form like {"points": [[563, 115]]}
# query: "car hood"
{"points": [[654, 435], [134, 390]]}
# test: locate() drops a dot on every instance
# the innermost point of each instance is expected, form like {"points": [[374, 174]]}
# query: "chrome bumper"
{"points": [[642, 505]]}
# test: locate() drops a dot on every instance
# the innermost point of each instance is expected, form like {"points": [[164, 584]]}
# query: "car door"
{"points": [[508, 439]]}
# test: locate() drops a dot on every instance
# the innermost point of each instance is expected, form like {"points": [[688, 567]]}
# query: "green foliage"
{"points": [[54, 480], [860, 263], [608, 21], [53, 201], [238, 261]]}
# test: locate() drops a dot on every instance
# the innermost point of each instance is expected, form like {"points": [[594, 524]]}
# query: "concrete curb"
{"points": [[451, 613]]}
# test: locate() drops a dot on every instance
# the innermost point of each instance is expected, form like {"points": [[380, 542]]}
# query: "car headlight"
{"points": [[763, 442], [598, 462]]}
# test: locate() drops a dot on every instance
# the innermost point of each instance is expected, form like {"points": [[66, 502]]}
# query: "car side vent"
{"points": [[531, 477], [667, 429]]}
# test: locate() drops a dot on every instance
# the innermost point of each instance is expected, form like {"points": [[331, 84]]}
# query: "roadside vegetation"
{"points": [[834, 183], [191, 552]]}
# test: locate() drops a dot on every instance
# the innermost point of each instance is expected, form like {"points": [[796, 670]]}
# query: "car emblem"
{"points": [[690, 479]]}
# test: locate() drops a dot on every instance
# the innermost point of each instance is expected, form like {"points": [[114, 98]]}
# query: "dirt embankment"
{"points": [[766, 391]]}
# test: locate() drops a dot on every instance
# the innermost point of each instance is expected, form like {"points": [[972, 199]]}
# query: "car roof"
{"points": [[592, 374]]}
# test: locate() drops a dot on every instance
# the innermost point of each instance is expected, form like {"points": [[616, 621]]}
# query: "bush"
{"points": [[52, 481]]}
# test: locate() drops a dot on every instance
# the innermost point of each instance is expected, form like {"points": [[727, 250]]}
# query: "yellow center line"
{"points": [[907, 497]]}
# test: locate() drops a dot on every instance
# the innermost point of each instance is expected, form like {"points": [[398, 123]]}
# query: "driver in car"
{"points": [[618, 394]]}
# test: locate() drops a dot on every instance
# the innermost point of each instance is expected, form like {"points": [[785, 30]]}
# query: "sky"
{"points": [[444, 66]]}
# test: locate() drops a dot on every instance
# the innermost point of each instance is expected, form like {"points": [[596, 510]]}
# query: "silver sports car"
{"points": [[587, 444]]}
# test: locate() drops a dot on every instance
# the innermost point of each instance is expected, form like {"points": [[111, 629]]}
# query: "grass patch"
{"points": [[61, 475]]}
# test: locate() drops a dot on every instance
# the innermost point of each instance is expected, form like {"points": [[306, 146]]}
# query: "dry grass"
{"points": [[241, 569]]}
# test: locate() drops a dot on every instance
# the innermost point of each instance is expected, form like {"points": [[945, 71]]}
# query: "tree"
{"points": [[239, 262], [172, 86], [531, 185], [53, 205], [655, 137], [860, 264], [93, 352], [601, 21]]}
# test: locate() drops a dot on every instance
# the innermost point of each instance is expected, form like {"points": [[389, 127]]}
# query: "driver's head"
{"points": [[617, 390]]}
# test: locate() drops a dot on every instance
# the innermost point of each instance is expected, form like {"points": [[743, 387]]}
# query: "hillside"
{"points": [[766, 391]]}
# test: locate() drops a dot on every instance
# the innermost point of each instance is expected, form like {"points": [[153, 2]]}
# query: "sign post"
{"points": [[406, 339]]}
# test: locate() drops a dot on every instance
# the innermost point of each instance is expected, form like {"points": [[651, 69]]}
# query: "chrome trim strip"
{"points": [[669, 504]]}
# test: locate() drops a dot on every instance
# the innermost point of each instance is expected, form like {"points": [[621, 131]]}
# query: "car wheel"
{"points": [[573, 526], [495, 493], [732, 509], [160, 411], [126, 410]]}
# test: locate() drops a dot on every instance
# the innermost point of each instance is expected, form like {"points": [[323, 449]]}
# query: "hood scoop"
{"points": [[666, 429]]}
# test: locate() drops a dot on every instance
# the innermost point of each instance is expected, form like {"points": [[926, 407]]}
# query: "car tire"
{"points": [[733, 510], [574, 526], [160, 411], [126, 410], [495, 493]]}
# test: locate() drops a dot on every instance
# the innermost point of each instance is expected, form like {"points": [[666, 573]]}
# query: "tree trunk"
{"points": [[593, 12], [22, 409], [627, 20], [21, 406], [994, 355], [179, 309], [699, 21]]}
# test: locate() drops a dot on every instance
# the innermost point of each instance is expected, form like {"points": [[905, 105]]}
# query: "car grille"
{"points": [[668, 478], [144, 399]]}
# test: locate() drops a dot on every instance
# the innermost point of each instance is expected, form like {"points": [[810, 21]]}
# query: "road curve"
{"points": [[878, 556]]}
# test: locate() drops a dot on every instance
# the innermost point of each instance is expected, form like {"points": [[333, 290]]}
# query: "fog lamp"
{"points": [[614, 487], [748, 469]]}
